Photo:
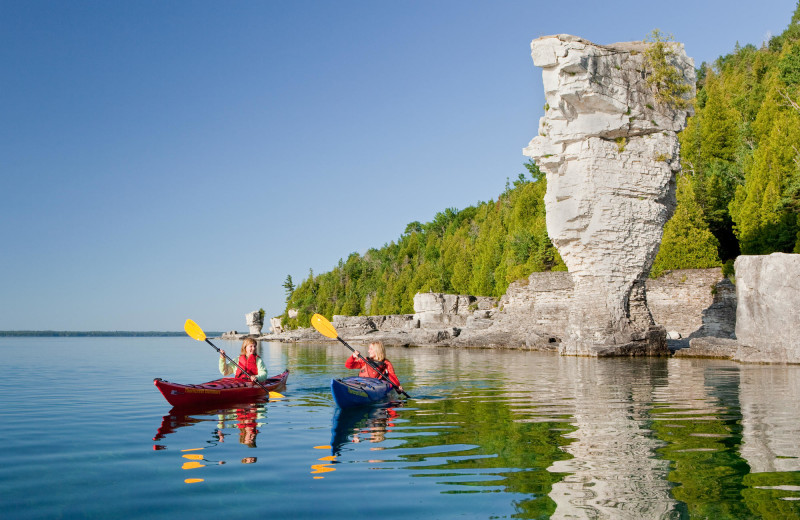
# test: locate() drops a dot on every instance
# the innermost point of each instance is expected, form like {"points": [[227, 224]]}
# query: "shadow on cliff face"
{"points": [[719, 319]]}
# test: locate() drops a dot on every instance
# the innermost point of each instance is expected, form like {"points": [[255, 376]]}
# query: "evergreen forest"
{"points": [[738, 193]]}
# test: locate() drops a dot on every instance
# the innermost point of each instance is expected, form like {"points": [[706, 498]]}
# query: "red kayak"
{"points": [[227, 389]]}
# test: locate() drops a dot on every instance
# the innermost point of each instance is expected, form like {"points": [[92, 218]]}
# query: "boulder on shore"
{"points": [[768, 299]]}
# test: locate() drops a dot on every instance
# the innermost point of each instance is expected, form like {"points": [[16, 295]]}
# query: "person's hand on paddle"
{"points": [[222, 354], [356, 354]]}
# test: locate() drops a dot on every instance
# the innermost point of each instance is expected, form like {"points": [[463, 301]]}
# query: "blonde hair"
{"points": [[248, 341], [380, 351]]}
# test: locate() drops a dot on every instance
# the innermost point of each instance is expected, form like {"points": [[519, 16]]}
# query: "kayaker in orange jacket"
{"points": [[248, 359], [377, 353]]}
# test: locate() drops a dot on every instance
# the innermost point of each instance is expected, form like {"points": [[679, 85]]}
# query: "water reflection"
{"points": [[541, 436], [245, 418], [770, 407], [614, 471], [355, 425], [661, 438], [195, 461], [770, 401], [361, 424]]}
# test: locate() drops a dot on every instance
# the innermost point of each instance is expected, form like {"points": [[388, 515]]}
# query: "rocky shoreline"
{"points": [[532, 315], [699, 313]]}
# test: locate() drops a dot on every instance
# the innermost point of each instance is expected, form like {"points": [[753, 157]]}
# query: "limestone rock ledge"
{"points": [[533, 315], [699, 307], [714, 348]]}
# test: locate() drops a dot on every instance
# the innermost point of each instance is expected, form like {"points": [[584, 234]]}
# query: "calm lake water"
{"points": [[489, 434]]}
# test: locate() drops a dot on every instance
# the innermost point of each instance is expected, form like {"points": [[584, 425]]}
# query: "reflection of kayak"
{"points": [[221, 415], [359, 391], [364, 421], [227, 389], [180, 417], [346, 421]]}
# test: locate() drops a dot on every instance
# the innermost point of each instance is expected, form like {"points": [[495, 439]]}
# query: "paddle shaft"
{"points": [[239, 366], [374, 367]]}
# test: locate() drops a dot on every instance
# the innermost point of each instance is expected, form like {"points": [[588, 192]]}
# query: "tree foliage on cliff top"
{"points": [[741, 149], [478, 250]]}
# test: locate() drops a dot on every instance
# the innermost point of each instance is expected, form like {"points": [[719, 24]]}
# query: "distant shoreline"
{"points": [[88, 334]]}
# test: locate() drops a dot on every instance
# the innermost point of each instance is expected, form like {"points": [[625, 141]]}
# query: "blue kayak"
{"points": [[359, 391]]}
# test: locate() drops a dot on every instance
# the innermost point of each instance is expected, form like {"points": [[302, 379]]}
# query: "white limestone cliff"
{"points": [[768, 293], [275, 325], [610, 152]]}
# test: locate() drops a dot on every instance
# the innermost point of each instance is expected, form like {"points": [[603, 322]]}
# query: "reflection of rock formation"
{"points": [[614, 472], [769, 399], [610, 153], [696, 454]]}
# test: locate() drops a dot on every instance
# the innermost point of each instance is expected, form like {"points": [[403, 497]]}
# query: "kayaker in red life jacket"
{"points": [[377, 353], [256, 371]]}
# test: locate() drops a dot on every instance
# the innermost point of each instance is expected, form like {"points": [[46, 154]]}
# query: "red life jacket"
{"points": [[368, 371], [247, 418], [250, 366]]}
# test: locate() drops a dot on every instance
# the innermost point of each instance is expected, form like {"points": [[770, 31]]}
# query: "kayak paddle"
{"points": [[194, 331], [326, 328]]}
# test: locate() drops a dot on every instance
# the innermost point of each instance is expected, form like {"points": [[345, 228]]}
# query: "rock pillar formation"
{"points": [[255, 321], [610, 153], [275, 325]]}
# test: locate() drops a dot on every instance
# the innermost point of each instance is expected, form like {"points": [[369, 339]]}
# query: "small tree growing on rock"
{"points": [[663, 77]]}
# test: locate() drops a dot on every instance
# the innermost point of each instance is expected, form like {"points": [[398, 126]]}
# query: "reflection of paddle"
{"points": [[194, 331], [325, 328]]}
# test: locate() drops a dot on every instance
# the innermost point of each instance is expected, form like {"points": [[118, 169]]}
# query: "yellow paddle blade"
{"points": [[193, 456], [275, 395], [321, 468], [323, 326], [194, 330]]}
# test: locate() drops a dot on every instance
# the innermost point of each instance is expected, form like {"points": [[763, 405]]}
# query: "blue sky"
{"points": [[170, 160]]}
